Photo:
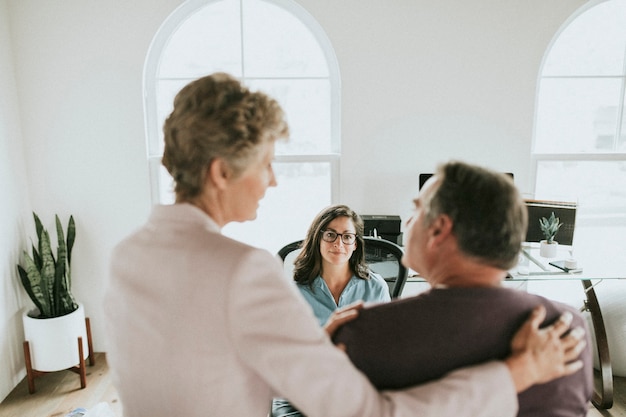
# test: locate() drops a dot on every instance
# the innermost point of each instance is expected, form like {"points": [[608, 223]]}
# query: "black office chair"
{"points": [[382, 256]]}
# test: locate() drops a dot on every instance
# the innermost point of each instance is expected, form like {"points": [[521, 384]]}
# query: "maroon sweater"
{"points": [[413, 340]]}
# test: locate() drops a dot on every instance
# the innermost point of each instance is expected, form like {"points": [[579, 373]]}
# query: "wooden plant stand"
{"points": [[80, 369]]}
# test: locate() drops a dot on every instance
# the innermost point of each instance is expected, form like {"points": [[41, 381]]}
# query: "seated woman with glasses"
{"points": [[331, 272]]}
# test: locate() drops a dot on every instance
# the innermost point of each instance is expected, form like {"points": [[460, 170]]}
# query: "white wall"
{"points": [[423, 81], [426, 81], [78, 66], [14, 203]]}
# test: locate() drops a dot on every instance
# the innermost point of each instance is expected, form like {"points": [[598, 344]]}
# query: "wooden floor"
{"points": [[58, 393]]}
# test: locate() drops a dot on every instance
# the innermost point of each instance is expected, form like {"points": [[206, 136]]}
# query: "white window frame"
{"points": [[151, 66], [538, 157]]}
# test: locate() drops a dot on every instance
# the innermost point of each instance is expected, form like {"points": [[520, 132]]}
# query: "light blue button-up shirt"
{"points": [[320, 298]]}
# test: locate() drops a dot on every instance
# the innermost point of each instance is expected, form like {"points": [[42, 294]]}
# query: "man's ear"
{"points": [[219, 172], [440, 228]]}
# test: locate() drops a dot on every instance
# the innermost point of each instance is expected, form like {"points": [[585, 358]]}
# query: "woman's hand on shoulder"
{"points": [[541, 355]]}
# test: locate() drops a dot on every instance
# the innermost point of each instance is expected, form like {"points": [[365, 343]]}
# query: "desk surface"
{"points": [[532, 266]]}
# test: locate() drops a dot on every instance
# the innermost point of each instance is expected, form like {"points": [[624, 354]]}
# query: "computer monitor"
{"points": [[384, 226], [424, 177], [565, 211]]}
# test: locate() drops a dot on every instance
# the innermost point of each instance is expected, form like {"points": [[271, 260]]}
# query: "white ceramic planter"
{"points": [[53, 342], [548, 250]]}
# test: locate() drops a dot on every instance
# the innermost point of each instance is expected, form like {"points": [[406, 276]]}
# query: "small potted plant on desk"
{"points": [[57, 334], [549, 228]]}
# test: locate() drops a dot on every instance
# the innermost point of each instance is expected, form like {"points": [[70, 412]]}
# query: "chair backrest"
{"points": [[382, 256], [288, 254]]}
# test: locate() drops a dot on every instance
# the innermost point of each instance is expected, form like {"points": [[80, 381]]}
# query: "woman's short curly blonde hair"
{"points": [[217, 117]]}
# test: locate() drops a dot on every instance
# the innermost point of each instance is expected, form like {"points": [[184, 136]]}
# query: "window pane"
{"points": [[165, 93], [267, 45], [287, 210], [208, 41], [621, 142], [166, 186], [277, 44], [601, 244], [576, 115], [593, 44], [306, 103], [599, 187]]}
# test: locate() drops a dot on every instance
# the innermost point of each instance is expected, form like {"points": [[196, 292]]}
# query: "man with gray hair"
{"points": [[465, 234]]}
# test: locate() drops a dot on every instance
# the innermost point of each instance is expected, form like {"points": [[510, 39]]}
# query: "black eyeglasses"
{"points": [[346, 238]]}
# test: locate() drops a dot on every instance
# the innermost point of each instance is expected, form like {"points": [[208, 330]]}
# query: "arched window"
{"points": [[271, 45], [579, 149]]}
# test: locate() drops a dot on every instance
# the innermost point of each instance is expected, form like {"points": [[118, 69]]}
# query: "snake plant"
{"points": [[550, 227], [46, 278]]}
